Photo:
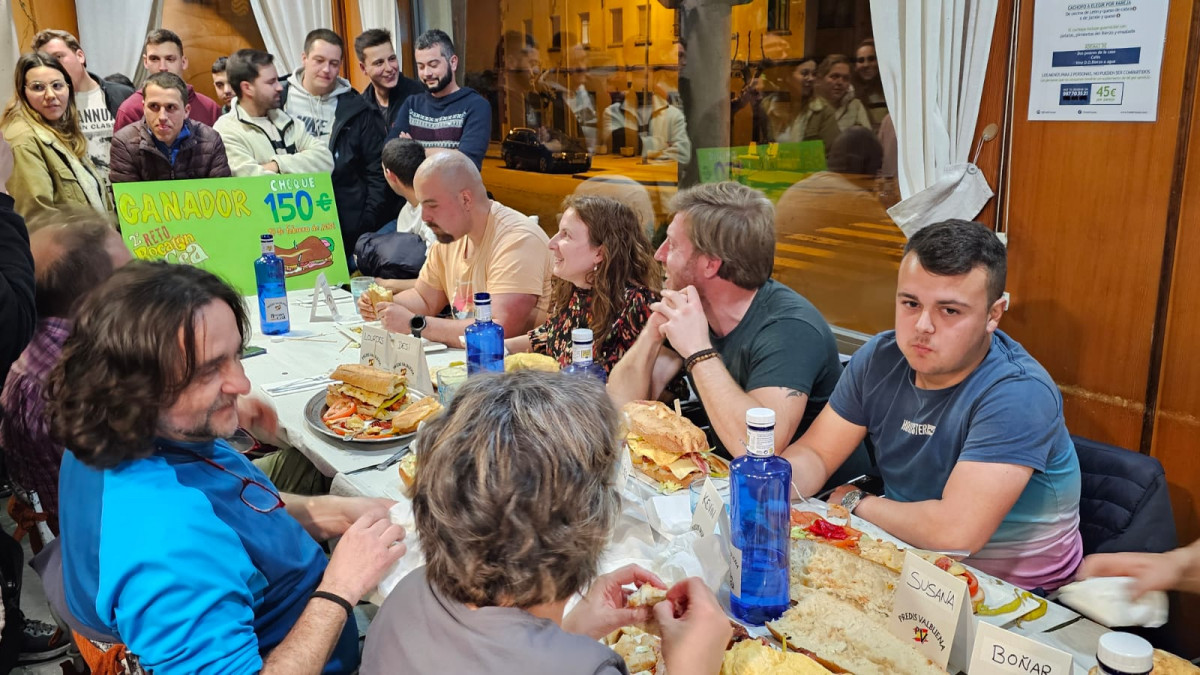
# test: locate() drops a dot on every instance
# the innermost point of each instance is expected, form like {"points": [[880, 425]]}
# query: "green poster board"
{"points": [[215, 223]]}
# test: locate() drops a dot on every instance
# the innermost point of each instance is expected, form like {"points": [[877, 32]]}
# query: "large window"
{"points": [[663, 98]]}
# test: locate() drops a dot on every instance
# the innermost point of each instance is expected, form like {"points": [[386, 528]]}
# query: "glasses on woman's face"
{"points": [[865, 59], [57, 86], [254, 494]]}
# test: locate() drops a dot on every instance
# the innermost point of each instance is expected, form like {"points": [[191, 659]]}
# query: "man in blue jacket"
{"points": [[173, 543], [446, 115]]}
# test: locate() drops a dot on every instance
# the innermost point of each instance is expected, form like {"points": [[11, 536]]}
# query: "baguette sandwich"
{"points": [[667, 447], [376, 294], [844, 638], [408, 473], [867, 585], [371, 391]]}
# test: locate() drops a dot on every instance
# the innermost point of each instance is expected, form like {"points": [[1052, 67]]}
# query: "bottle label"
{"points": [[268, 248], [483, 312], [275, 309], [735, 570], [581, 353], [760, 441]]}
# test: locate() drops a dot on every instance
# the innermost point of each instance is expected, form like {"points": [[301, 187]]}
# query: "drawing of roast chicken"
{"points": [[310, 254]]}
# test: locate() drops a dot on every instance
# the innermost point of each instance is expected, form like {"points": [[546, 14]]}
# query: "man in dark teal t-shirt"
{"points": [[742, 339]]}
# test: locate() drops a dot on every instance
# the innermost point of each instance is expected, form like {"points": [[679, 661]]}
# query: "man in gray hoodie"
{"points": [[335, 114]]}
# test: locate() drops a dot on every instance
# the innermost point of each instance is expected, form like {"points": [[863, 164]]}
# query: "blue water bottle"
{"points": [[759, 491], [485, 339], [272, 294], [581, 356]]}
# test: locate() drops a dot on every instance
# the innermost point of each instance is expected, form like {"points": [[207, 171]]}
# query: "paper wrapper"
{"points": [[1108, 601], [401, 514]]}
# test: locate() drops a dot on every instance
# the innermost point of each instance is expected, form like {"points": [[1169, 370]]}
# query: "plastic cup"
{"points": [[722, 485], [358, 286], [448, 381]]}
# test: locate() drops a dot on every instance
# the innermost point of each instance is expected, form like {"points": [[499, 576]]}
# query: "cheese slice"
{"points": [[369, 397], [641, 448], [682, 468]]}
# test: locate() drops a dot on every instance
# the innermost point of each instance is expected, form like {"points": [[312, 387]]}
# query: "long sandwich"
{"points": [[367, 403], [667, 447]]}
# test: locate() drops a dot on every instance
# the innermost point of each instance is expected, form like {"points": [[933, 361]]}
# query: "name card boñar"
{"points": [[1000, 652], [927, 608]]}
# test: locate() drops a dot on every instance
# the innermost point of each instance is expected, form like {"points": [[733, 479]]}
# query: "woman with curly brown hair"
{"points": [[605, 279], [515, 501], [50, 156]]}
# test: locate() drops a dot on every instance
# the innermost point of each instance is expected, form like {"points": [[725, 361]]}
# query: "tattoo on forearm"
{"points": [[792, 393]]}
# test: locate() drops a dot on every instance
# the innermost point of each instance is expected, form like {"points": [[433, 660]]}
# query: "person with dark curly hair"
{"points": [[515, 500], [172, 541], [605, 278]]}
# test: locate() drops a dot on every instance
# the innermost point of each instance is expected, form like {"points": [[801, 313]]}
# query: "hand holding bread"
{"points": [[695, 630], [605, 607], [369, 298]]}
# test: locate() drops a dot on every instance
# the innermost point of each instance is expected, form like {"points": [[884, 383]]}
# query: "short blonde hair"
{"points": [[515, 494], [734, 224]]}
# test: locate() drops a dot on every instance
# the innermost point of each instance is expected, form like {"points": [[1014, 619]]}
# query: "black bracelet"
{"points": [[702, 355], [334, 598]]}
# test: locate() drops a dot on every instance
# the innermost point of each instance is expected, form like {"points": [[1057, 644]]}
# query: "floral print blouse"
{"points": [[553, 337]]}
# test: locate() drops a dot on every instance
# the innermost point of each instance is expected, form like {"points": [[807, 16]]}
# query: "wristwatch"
{"points": [[851, 500], [417, 324]]}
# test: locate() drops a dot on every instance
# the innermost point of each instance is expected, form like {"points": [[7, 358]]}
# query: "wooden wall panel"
{"points": [[1177, 416], [1086, 215], [992, 107], [209, 30], [31, 16]]}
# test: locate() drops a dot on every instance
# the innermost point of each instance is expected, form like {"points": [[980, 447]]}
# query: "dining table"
{"points": [[294, 368]]}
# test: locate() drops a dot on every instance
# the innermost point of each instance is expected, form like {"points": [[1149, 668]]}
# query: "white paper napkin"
{"points": [[1108, 601], [402, 515]]}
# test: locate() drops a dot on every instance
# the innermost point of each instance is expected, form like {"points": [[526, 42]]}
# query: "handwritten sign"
{"points": [[625, 470], [927, 608], [215, 223], [708, 509], [1000, 652], [404, 354]]}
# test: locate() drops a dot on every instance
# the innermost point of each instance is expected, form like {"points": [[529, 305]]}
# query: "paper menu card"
{"points": [[399, 353], [928, 608]]}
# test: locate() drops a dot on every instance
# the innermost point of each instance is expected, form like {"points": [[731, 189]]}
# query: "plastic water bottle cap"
{"points": [[581, 335], [266, 237], [1125, 652], [760, 417], [483, 299]]}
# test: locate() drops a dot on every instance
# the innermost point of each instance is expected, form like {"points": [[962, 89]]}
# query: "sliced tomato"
{"points": [[804, 518], [972, 582], [343, 409]]}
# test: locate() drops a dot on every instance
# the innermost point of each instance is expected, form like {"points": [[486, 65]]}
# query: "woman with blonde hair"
{"points": [[50, 159], [605, 279], [833, 85]]}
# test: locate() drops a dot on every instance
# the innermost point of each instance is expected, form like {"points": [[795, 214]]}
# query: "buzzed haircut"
{"points": [[372, 37], [158, 37], [165, 80], [434, 37], [324, 35], [403, 156], [219, 65], [49, 34], [243, 66], [955, 247]]}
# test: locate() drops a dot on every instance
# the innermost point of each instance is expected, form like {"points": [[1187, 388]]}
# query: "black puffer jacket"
{"points": [[17, 313], [364, 200]]}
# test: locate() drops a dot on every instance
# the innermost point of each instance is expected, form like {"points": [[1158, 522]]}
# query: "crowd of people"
{"points": [[126, 378]]}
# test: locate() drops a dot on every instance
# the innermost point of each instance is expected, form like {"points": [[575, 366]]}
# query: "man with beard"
{"points": [[968, 427], [338, 117], [165, 144], [226, 574], [483, 246], [221, 83], [259, 137], [389, 87], [742, 339], [446, 115]]}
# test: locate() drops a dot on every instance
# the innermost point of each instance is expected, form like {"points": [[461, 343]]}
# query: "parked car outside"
{"points": [[544, 150]]}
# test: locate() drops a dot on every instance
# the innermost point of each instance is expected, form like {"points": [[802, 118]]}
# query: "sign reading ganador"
{"points": [[215, 223]]}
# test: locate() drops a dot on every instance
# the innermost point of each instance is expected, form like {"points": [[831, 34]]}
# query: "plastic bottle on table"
{"points": [[759, 491], [485, 339], [581, 356], [272, 293], [1123, 654]]}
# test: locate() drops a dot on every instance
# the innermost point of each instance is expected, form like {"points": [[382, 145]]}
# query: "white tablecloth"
{"points": [[317, 348]]}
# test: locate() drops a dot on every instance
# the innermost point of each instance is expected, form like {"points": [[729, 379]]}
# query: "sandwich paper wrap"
{"points": [[1108, 601]]}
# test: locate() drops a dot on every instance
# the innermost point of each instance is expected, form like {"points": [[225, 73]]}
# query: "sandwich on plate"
{"points": [[371, 403], [667, 447]]}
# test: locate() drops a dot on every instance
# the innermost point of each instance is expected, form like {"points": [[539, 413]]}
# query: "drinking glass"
{"points": [[448, 381]]}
